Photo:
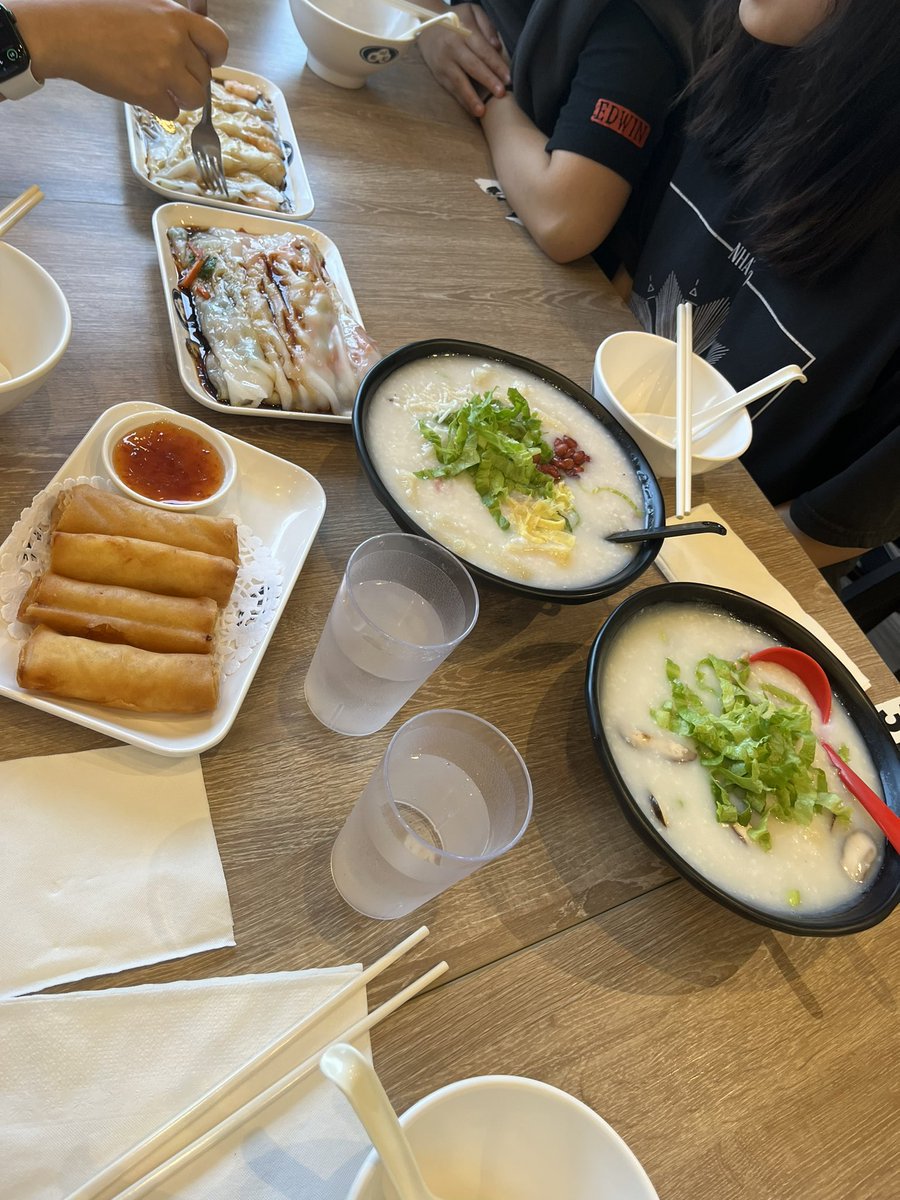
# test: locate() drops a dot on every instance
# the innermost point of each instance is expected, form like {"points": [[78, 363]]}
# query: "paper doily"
{"points": [[241, 626]]}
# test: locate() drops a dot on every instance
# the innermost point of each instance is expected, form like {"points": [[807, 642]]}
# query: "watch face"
{"points": [[14, 58]]}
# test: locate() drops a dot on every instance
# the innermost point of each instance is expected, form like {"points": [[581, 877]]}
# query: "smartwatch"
{"points": [[16, 79]]}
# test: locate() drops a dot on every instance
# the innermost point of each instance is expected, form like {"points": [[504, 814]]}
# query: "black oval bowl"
{"points": [[879, 900], [654, 509]]}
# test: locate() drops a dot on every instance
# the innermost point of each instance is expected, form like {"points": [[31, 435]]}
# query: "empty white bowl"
{"points": [[348, 40], [500, 1136], [35, 326], [155, 416], [634, 372]]}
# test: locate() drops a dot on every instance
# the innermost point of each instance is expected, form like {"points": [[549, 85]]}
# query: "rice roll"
{"points": [[253, 155], [278, 331], [167, 624], [149, 566], [117, 676], [86, 509]]}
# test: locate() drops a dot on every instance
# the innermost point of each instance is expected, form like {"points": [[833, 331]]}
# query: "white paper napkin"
{"points": [[727, 562], [108, 860], [89, 1074]]}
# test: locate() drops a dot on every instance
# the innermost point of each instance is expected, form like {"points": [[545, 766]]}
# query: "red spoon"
{"points": [[816, 683], [807, 671]]}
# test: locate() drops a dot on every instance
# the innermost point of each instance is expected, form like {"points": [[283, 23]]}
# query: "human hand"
{"points": [[154, 53], [458, 63]]}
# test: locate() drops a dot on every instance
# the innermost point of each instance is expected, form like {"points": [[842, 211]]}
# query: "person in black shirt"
{"points": [[576, 137], [782, 225]]}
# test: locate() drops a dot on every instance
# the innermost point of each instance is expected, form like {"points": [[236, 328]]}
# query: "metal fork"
{"points": [[205, 144]]}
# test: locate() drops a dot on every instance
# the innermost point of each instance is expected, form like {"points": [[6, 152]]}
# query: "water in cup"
{"points": [[375, 870], [357, 682], [450, 795]]}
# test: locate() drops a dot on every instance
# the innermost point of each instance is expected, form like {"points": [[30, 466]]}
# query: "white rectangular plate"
{"points": [[281, 503], [296, 172], [169, 216]]}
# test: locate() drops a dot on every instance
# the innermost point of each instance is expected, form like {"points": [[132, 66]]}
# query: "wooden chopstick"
{"points": [[684, 415], [16, 209], [110, 1181]]}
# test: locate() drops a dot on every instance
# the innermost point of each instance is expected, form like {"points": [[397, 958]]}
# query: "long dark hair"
{"points": [[812, 132]]}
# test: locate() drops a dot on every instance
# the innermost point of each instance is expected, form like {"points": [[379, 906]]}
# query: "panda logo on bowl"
{"points": [[378, 56]]}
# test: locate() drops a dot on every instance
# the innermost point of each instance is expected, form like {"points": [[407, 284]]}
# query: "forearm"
{"points": [[154, 53], [521, 164], [567, 203], [517, 146]]}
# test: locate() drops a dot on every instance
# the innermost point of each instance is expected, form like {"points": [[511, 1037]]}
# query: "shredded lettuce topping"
{"points": [[757, 749], [497, 442]]}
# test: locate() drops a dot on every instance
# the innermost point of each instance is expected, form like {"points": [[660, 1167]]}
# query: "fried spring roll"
{"points": [[117, 676], [167, 624], [195, 615], [86, 509], [149, 566], [120, 631]]}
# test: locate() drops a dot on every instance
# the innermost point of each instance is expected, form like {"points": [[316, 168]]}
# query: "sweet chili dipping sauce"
{"points": [[163, 461]]}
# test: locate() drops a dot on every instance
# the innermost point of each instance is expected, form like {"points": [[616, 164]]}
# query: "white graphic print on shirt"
{"points": [[714, 302]]}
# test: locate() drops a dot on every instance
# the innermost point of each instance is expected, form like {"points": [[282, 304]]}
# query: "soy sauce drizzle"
{"points": [[197, 345]]}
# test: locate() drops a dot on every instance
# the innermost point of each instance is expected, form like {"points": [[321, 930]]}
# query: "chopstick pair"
{"points": [[153, 1159], [684, 408], [16, 209]]}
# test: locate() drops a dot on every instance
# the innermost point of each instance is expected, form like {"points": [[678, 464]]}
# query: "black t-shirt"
{"points": [[621, 93], [832, 445], [617, 107]]}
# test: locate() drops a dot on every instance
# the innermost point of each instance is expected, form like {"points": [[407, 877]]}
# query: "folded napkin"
{"points": [[727, 562], [87, 1075], [108, 860]]}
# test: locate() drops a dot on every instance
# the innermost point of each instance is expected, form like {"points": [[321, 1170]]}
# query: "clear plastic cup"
{"points": [[403, 605], [451, 794]]}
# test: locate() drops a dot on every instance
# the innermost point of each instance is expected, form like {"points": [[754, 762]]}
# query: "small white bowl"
{"points": [[634, 372], [35, 326], [504, 1135], [154, 417], [348, 40]]}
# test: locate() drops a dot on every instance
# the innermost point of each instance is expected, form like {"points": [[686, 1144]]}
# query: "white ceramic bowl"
{"points": [[634, 372], [35, 326], [348, 40], [499, 1136], [152, 417]]}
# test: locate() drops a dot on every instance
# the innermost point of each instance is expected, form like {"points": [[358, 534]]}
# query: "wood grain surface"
{"points": [[736, 1062]]}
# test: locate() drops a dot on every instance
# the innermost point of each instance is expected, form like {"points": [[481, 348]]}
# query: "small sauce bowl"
{"points": [[169, 460]]}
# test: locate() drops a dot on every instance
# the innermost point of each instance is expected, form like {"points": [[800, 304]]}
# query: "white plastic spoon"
{"points": [[355, 1076], [664, 426], [427, 17]]}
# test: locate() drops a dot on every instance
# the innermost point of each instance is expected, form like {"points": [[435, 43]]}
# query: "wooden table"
{"points": [[736, 1062]]}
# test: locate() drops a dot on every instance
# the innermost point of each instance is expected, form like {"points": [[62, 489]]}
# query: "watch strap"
{"points": [[18, 86]]}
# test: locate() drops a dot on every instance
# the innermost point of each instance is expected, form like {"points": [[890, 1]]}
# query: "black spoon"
{"points": [[657, 532]]}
